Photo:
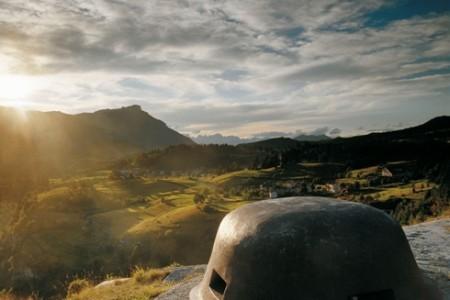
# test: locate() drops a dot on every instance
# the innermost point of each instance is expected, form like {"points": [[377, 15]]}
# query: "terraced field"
{"points": [[97, 224]]}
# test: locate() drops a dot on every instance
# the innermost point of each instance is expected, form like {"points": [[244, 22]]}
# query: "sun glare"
{"points": [[14, 88]]}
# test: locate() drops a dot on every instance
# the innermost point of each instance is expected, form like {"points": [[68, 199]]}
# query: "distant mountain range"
{"points": [[428, 144], [437, 129], [34, 141], [220, 139], [57, 139]]}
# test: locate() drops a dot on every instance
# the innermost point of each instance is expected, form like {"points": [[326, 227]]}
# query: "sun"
{"points": [[15, 88]]}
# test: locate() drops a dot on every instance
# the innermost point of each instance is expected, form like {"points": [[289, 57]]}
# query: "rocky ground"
{"points": [[429, 241]]}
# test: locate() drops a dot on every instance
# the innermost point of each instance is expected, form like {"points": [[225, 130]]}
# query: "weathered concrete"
{"points": [[430, 243], [311, 248]]}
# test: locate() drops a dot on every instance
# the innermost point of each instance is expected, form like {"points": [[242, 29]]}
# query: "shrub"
{"points": [[77, 285]]}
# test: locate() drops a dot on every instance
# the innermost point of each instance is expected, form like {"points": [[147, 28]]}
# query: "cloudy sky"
{"points": [[235, 67]]}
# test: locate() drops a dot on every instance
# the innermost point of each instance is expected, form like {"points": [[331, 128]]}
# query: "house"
{"points": [[384, 172], [382, 176], [332, 188]]}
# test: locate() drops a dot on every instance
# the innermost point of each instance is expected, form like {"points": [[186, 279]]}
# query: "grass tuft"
{"points": [[77, 286], [145, 284], [145, 276]]}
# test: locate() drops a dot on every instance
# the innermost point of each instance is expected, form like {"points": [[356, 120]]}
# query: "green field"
{"points": [[97, 224], [414, 190]]}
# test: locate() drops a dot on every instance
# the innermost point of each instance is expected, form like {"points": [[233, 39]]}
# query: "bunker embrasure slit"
{"points": [[379, 295], [217, 284]]}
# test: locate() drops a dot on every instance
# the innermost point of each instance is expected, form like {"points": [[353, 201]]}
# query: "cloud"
{"points": [[235, 140], [320, 131], [234, 67], [334, 132], [213, 117]]}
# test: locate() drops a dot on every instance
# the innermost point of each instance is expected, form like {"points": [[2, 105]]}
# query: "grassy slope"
{"points": [[184, 224], [147, 218], [145, 284], [414, 190], [5, 215], [157, 212], [405, 191]]}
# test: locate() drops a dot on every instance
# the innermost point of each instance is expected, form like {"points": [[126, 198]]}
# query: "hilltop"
{"points": [[436, 129]]}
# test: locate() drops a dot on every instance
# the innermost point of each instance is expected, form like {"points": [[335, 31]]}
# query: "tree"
{"points": [[357, 186]]}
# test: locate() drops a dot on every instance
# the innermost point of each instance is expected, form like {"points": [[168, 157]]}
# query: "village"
{"points": [[335, 186], [368, 184], [371, 184]]}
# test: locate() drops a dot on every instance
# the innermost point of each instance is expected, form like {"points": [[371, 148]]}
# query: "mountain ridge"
{"points": [[58, 140], [435, 128]]}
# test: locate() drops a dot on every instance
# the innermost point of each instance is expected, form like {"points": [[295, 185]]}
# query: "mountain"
{"points": [[438, 124], [220, 139], [427, 144], [63, 141], [236, 140], [312, 138], [436, 129], [233, 140]]}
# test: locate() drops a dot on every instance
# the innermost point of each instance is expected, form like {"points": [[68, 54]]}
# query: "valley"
{"points": [[163, 206]]}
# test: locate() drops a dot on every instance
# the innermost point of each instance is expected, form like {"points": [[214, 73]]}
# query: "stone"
{"points": [[430, 243], [112, 282], [181, 273]]}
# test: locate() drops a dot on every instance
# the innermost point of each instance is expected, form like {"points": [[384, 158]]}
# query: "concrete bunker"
{"points": [[311, 248]]}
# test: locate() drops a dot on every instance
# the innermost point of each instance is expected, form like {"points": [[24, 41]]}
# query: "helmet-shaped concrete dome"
{"points": [[310, 248]]}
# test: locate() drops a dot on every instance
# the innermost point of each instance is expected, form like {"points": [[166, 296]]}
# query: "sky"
{"points": [[232, 67]]}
